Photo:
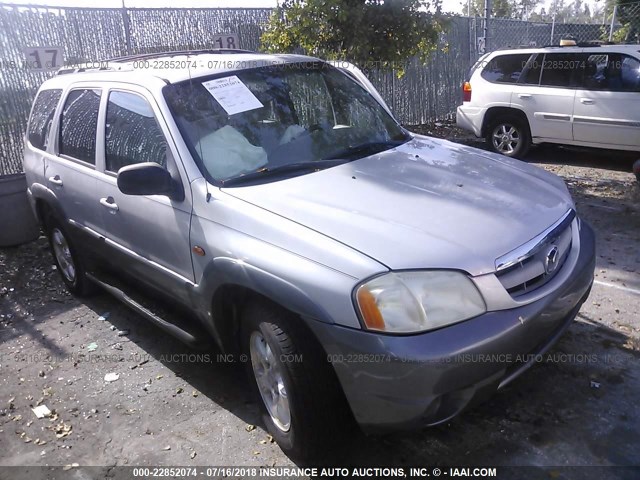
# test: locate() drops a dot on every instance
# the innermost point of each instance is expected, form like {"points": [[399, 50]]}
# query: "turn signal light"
{"points": [[370, 312]]}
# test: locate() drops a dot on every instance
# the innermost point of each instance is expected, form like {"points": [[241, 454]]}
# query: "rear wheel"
{"points": [[636, 169], [68, 262], [302, 405], [509, 135]]}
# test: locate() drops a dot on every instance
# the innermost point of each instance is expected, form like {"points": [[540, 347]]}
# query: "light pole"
{"points": [[487, 15]]}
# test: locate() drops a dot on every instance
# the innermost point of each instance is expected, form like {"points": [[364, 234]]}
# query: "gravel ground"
{"points": [[173, 406]]}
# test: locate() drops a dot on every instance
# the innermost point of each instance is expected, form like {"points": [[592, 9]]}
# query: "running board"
{"points": [[186, 337]]}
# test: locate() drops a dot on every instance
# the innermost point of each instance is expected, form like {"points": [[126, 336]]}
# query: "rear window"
{"points": [[480, 62], [505, 68], [41, 118], [78, 125]]}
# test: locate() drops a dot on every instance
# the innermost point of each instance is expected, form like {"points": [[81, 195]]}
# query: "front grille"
{"points": [[534, 264]]}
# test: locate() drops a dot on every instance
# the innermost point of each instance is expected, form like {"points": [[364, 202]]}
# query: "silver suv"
{"points": [[365, 272]]}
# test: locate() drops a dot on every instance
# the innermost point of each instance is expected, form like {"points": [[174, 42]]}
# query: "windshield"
{"points": [[289, 119]]}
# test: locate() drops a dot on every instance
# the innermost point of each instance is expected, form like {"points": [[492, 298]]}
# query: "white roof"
{"points": [[174, 68], [573, 49]]}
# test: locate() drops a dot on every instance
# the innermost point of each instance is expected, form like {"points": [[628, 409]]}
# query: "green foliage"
{"points": [[628, 19], [519, 9], [499, 8], [576, 11], [370, 33], [621, 34]]}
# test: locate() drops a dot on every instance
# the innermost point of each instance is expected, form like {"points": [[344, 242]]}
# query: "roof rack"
{"points": [[596, 43], [67, 70], [146, 56], [121, 61], [103, 67], [593, 43]]}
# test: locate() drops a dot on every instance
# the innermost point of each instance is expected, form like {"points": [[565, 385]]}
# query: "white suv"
{"points": [[579, 95]]}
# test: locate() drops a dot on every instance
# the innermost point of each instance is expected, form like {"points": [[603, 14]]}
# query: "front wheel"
{"points": [[510, 136], [301, 403]]}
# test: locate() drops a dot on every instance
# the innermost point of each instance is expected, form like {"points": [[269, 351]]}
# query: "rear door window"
{"points": [[78, 125], [42, 116], [505, 68], [561, 69], [531, 73]]}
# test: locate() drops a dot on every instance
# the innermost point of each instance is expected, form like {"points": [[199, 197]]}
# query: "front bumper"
{"points": [[395, 382]]}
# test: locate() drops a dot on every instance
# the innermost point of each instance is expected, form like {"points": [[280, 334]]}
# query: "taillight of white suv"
{"points": [[466, 92]]}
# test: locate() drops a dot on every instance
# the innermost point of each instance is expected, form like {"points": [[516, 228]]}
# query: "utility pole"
{"points": [[613, 22], [487, 15], [127, 27]]}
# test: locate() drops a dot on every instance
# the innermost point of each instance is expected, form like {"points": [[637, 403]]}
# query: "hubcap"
{"points": [[268, 374], [63, 255], [506, 138]]}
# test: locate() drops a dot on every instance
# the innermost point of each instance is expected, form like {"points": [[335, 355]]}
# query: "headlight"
{"points": [[409, 302]]}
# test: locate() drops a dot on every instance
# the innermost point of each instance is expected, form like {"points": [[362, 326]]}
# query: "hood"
{"points": [[426, 204]]}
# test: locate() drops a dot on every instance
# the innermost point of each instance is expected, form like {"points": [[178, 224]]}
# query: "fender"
{"points": [[230, 271], [41, 192], [225, 271]]}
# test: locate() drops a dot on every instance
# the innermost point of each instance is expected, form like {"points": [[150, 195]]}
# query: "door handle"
{"points": [[524, 95], [56, 180], [109, 203], [587, 101]]}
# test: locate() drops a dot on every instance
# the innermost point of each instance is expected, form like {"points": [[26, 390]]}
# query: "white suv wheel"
{"points": [[509, 135], [506, 138]]}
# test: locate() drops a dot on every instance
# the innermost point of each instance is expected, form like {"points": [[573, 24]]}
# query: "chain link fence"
{"points": [[511, 33], [90, 35], [625, 23], [424, 94]]}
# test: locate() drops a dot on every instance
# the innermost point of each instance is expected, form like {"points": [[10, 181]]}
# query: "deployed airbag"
{"points": [[227, 153]]}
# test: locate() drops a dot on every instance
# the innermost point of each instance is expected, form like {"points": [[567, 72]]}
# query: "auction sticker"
{"points": [[232, 95]]}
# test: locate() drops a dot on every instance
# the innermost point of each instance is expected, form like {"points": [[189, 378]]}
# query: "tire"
{"points": [[317, 413], [66, 258], [636, 169], [509, 135]]}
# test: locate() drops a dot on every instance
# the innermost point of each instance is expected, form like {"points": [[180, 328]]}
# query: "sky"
{"points": [[449, 5], [457, 6]]}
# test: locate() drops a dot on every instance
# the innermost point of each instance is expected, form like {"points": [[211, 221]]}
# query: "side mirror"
{"points": [[148, 179]]}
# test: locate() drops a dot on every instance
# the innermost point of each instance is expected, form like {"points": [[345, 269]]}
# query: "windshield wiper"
{"points": [[364, 149], [282, 169]]}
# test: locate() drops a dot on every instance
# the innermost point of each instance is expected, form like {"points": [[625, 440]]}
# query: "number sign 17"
{"points": [[43, 58]]}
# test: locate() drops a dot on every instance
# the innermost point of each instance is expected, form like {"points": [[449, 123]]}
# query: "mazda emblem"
{"points": [[551, 260]]}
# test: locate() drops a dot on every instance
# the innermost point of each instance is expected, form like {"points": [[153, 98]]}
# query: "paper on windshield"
{"points": [[232, 94]]}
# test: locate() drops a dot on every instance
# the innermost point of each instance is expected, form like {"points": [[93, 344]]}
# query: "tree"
{"points": [[499, 8], [628, 14], [577, 12], [387, 32], [519, 9], [524, 8]]}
